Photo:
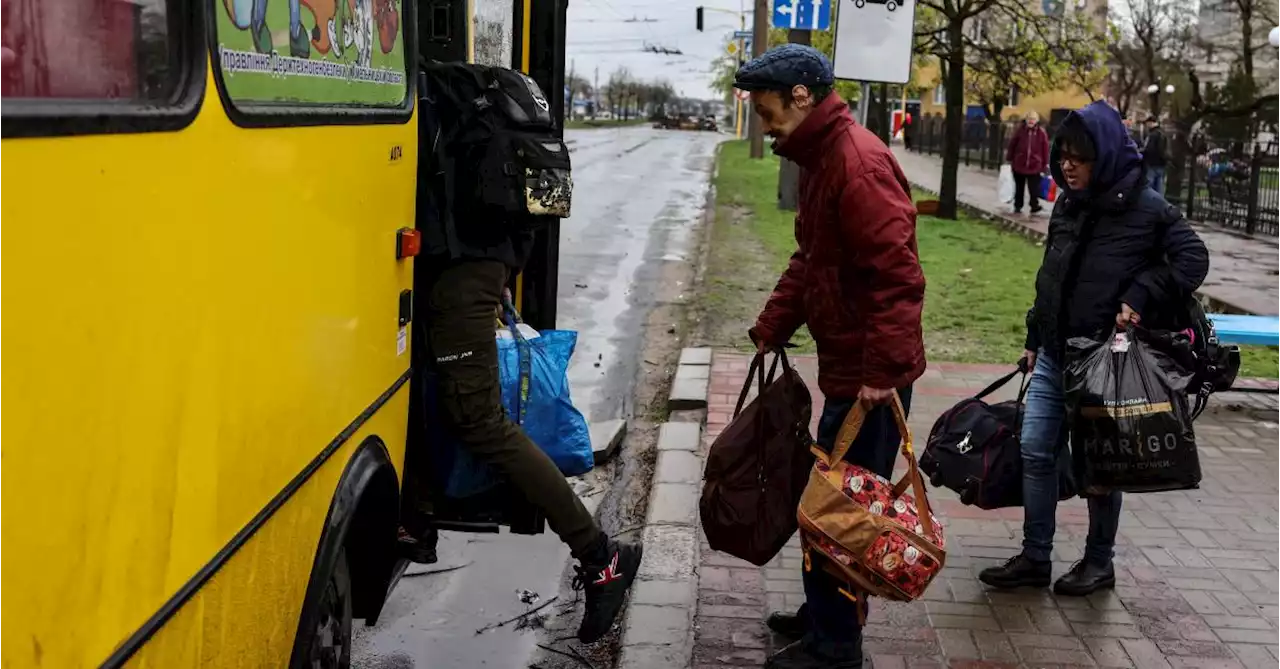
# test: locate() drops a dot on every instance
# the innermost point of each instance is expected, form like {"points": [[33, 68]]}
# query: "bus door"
{"points": [[525, 35]]}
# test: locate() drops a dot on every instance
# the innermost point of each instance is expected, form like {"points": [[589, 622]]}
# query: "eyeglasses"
{"points": [[1072, 159]]}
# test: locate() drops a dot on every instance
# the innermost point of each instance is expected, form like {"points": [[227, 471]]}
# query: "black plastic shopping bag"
{"points": [[1130, 423]]}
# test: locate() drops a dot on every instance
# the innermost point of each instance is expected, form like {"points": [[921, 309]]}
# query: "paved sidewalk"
{"points": [[1242, 272], [1197, 570]]}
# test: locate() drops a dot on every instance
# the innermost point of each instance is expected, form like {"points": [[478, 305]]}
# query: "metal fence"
{"points": [[982, 144], [1232, 184]]}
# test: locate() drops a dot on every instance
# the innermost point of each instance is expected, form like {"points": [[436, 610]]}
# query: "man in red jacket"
{"points": [[1028, 155], [855, 280]]}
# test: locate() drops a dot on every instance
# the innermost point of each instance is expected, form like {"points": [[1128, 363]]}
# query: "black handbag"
{"points": [[974, 450]]}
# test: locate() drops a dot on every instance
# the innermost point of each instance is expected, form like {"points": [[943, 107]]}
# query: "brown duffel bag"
{"points": [[871, 532], [757, 468]]}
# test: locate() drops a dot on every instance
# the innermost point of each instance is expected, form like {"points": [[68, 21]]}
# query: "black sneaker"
{"points": [[1017, 572], [1086, 578], [792, 626], [420, 549], [1036, 210], [605, 587], [800, 655]]}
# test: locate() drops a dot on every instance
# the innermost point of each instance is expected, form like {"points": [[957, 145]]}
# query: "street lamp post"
{"points": [[1154, 92]]}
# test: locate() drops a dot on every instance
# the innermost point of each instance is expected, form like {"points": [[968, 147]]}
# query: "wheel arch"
{"points": [[363, 516]]}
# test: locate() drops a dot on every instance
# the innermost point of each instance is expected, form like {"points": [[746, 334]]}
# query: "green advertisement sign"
{"points": [[313, 52]]}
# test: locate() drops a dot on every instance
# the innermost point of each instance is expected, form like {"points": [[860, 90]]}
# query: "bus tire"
{"points": [[330, 644]]}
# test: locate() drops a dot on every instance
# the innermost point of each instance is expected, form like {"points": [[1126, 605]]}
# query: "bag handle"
{"points": [[511, 318], [849, 431], [757, 370], [999, 383]]}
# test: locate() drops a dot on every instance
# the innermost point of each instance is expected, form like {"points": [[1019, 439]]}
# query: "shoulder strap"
{"points": [[1000, 382]]}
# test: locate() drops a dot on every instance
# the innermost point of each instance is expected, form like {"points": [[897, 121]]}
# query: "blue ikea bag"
{"points": [[533, 374]]}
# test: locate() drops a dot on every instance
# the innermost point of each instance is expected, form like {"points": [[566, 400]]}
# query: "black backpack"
{"points": [[1213, 364], [496, 144], [974, 450]]}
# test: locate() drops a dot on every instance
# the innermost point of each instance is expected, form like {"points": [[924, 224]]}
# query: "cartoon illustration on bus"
{"points": [[339, 25]]}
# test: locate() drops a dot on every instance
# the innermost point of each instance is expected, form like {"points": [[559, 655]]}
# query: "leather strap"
{"points": [[849, 431]]}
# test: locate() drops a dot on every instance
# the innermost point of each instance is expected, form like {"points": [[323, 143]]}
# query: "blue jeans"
{"points": [[832, 617], [1043, 429], [1156, 176]]}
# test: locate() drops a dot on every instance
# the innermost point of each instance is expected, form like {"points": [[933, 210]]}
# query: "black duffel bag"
{"points": [[973, 450]]}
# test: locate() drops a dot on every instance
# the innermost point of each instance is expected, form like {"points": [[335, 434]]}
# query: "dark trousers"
{"points": [[832, 617], [1031, 182], [462, 347]]}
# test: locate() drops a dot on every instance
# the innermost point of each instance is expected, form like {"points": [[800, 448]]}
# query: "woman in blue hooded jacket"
{"points": [[1116, 253]]}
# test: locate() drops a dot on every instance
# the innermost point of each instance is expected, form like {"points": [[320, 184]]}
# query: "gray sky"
{"points": [[598, 36]]}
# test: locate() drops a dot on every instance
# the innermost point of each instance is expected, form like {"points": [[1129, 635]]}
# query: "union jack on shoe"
{"points": [[605, 587]]}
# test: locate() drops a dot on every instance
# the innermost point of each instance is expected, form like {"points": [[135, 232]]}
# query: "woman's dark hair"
{"points": [[1073, 138]]}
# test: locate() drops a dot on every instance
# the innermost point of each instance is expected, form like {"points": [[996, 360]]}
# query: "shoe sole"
{"points": [[1108, 584], [1013, 585]]}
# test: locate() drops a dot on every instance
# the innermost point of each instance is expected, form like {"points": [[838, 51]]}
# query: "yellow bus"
{"points": [[208, 293]]}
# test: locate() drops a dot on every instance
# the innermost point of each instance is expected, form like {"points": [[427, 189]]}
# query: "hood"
{"points": [[1119, 162], [804, 145]]}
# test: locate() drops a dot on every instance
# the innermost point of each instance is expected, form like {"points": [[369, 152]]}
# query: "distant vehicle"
{"points": [[708, 123], [888, 4]]}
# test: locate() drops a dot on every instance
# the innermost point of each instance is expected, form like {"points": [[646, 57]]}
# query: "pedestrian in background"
{"points": [[1028, 155], [856, 281], [1116, 254], [1155, 154]]}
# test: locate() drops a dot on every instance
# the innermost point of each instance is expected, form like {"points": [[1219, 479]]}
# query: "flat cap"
{"points": [[784, 67]]}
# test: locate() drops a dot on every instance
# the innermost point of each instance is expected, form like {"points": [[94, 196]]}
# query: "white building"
{"points": [[1219, 38]]}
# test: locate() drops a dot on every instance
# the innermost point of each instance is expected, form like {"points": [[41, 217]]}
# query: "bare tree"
{"points": [[998, 41], [1240, 96], [1158, 34], [1125, 79], [617, 90]]}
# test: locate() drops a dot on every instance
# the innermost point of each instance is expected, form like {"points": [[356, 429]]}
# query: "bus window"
{"points": [[116, 50], [312, 55]]}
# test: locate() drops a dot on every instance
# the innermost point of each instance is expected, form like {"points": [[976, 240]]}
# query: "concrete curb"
{"points": [[606, 438], [657, 632], [693, 376]]}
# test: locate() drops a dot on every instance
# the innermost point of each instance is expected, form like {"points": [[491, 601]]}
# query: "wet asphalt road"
{"points": [[637, 195]]}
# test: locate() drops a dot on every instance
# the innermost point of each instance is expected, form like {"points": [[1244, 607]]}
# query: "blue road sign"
{"points": [[742, 34], [802, 14]]}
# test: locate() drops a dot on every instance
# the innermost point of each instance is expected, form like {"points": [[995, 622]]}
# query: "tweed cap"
{"points": [[784, 67]]}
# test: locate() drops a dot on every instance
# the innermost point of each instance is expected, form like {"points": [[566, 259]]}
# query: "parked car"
{"points": [[708, 123]]}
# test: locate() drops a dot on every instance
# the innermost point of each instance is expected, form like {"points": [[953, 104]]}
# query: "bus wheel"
{"points": [[331, 639]]}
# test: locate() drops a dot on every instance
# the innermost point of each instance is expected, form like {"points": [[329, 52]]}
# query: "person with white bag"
{"points": [[1028, 157]]}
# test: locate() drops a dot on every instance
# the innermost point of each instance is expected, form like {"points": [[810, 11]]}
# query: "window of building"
{"points": [[1015, 96], [939, 95]]}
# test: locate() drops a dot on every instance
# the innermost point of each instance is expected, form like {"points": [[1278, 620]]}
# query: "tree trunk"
{"points": [[1246, 38], [1182, 157], [994, 126], [789, 172], [953, 126]]}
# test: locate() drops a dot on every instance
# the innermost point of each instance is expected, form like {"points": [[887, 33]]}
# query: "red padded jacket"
{"points": [[855, 278]]}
